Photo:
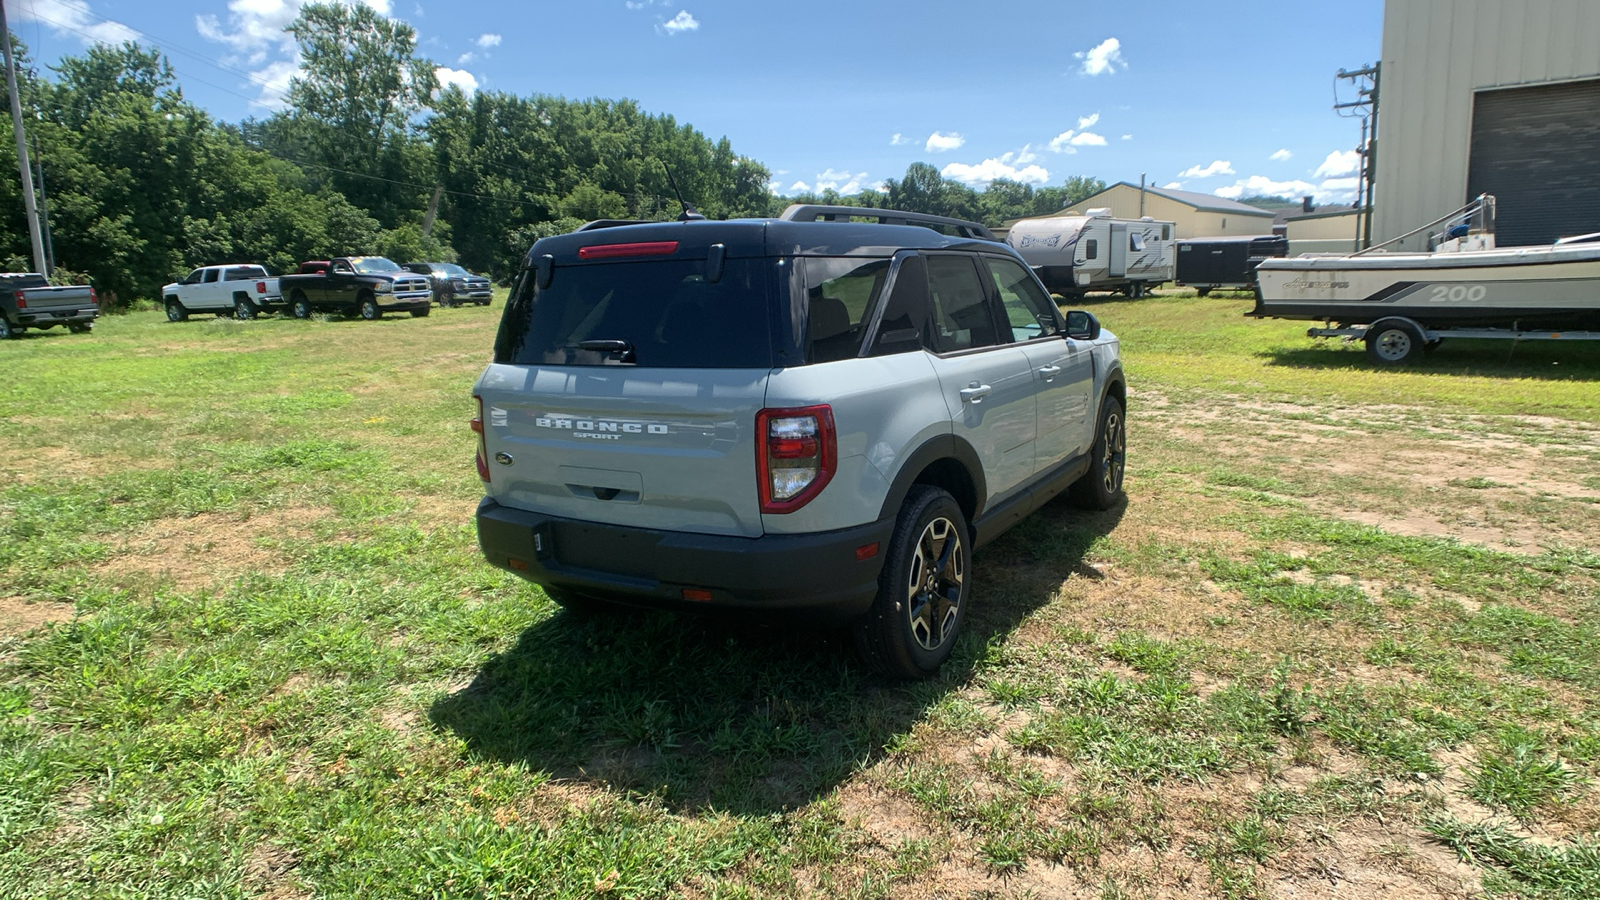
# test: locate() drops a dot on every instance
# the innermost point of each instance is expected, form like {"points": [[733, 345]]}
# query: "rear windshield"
{"points": [[658, 314]]}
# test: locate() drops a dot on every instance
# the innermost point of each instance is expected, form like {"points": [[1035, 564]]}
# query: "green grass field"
{"points": [[1344, 640]]}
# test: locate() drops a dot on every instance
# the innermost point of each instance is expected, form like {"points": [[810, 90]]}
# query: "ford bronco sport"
{"points": [[815, 413]]}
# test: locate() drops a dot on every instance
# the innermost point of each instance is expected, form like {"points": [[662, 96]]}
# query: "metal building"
{"points": [[1194, 214], [1490, 96]]}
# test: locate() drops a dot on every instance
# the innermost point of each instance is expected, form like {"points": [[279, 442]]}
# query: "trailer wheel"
{"points": [[1394, 342], [1203, 292]]}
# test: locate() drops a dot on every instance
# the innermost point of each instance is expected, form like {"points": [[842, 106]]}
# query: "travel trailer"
{"points": [[1096, 252]]}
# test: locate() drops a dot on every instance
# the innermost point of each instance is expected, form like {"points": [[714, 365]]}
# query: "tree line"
{"points": [[370, 156]]}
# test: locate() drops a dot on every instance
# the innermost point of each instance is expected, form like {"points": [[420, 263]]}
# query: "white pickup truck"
{"points": [[245, 290]]}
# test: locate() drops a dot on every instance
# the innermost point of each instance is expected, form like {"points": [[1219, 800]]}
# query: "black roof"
{"points": [[764, 237]]}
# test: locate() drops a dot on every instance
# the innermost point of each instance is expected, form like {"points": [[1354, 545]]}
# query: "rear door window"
{"points": [[961, 315], [903, 327], [657, 314], [211, 276], [840, 291]]}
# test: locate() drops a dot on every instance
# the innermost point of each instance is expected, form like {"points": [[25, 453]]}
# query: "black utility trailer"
{"points": [[1208, 263]]}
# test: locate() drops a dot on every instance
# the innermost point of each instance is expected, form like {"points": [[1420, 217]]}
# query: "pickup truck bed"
{"points": [[27, 300]]}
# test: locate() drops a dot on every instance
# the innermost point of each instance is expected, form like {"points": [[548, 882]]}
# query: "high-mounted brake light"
{"points": [[796, 455], [483, 449], [613, 251]]}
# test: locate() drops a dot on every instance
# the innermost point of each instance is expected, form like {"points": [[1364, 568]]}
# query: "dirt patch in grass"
{"points": [[209, 549], [268, 873], [18, 616]]}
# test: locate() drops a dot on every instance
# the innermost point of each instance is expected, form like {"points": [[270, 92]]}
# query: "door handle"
{"points": [[1049, 372], [975, 392]]}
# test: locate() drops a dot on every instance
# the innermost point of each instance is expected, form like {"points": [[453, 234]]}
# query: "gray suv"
{"points": [[825, 413]]}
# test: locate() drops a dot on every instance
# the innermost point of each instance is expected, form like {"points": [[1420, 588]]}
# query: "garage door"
{"points": [[1537, 150]]}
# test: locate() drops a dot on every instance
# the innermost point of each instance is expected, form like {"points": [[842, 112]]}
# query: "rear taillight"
{"points": [[796, 455], [483, 448], [22, 300], [93, 297], [261, 287]]}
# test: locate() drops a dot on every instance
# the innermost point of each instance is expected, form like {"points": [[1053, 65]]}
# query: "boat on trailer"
{"points": [[1402, 304]]}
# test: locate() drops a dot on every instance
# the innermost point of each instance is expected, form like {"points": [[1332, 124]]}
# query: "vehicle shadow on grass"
{"points": [[1543, 360], [705, 714]]}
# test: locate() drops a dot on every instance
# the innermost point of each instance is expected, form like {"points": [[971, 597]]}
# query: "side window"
{"points": [[1029, 311], [211, 275], [904, 324], [194, 277], [961, 318], [839, 291], [1136, 241], [240, 273], [1091, 249], [1166, 232], [342, 268]]}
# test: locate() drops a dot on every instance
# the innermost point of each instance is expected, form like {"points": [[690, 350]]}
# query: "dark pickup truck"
{"points": [[27, 300], [366, 286]]}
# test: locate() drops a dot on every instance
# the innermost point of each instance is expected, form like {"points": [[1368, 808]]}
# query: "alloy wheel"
{"points": [[937, 577]]}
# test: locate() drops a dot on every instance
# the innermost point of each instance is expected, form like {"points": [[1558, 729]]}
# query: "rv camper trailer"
{"points": [[1096, 252]]}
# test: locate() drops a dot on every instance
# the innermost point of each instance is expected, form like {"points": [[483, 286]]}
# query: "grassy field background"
{"points": [[1344, 640]]}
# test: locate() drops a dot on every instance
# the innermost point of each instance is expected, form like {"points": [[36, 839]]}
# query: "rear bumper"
{"points": [[33, 319], [815, 576]]}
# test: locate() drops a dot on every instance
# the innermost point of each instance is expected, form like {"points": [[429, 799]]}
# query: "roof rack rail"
{"points": [[806, 212], [609, 223]]}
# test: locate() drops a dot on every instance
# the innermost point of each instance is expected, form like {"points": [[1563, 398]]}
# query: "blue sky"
{"points": [[1222, 97]]}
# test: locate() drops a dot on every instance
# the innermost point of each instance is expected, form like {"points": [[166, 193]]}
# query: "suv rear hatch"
{"points": [[627, 378]]}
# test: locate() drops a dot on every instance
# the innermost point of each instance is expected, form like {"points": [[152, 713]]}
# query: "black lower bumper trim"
{"points": [[814, 575]]}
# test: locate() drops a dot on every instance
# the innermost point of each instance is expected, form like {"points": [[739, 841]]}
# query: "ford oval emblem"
{"points": [[503, 458]]}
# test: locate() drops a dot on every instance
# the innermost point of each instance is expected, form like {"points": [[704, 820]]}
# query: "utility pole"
{"points": [[22, 145], [1366, 106], [1141, 194], [44, 211], [433, 210]]}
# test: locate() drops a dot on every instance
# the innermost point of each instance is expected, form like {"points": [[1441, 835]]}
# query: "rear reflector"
{"points": [[483, 447], [699, 595], [612, 251], [866, 551]]}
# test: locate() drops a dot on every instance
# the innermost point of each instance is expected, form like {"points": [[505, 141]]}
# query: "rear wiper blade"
{"points": [[620, 351]]}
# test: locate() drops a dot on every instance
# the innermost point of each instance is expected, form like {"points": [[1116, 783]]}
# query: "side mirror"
{"points": [[1082, 325]]}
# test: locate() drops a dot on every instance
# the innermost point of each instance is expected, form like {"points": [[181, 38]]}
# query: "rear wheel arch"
{"points": [[946, 462]]}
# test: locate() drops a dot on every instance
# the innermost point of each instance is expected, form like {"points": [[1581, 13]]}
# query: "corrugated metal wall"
{"points": [[1123, 201], [1436, 55]]}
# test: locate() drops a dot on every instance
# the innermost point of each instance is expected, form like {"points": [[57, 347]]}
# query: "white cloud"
{"points": [[680, 23], [72, 19], [1217, 167], [448, 76], [939, 142], [1088, 121], [990, 169], [1127, 137], [465, 58], [488, 40], [1338, 164], [841, 180], [1281, 156], [1174, 185], [1023, 156], [1333, 190], [800, 187], [1088, 139], [1104, 57], [898, 139], [1062, 143]]}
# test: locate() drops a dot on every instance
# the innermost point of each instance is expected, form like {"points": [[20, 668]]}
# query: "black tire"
{"points": [[7, 330], [243, 309], [922, 591], [483, 303], [420, 313], [1202, 292], [367, 307], [299, 306], [1394, 342], [175, 311], [1101, 487], [80, 327]]}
